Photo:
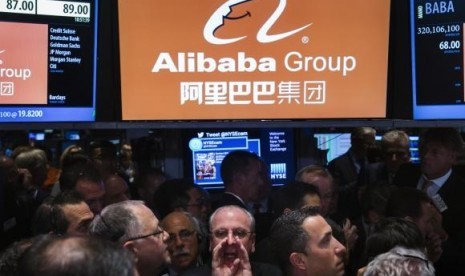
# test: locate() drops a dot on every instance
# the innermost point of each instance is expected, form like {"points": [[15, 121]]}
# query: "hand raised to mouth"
{"points": [[230, 259]]}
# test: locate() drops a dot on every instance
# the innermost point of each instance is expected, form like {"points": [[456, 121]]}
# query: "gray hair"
{"points": [[31, 158], [117, 222], [231, 207], [314, 170], [400, 261]]}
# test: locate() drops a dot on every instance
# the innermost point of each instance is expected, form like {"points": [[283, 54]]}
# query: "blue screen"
{"points": [[209, 147], [436, 29], [48, 68]]}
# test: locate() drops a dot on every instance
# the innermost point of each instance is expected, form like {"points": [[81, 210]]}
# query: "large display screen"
{"points": [[48, 58], [209, 147], [335, 144], [438, 59], [253, 59]]}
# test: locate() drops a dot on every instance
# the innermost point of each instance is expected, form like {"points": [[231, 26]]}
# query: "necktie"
{"points": [[426, 184]]}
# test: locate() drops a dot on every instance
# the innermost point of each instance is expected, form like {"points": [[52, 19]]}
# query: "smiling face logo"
{"points": [[217, 20]]}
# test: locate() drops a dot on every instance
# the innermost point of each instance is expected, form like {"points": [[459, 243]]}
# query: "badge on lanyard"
{"points": [[439, 203]]}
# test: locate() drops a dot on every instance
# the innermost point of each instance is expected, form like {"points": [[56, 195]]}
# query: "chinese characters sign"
{"points": [[253, 59]]}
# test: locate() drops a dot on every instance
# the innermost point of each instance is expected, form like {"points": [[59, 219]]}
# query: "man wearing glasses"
{"points": [[232, 240], [134, 226], [183, 242]]}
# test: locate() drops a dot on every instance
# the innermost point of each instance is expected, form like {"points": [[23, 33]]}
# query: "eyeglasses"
{"points": [[184, 235], [416, 257], [157, 232], [237, 233]]}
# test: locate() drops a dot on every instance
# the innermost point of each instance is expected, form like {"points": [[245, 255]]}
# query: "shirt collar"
{"points": [[441, 180], [438, 183]]}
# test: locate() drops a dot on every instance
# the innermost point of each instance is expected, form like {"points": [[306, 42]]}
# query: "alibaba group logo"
{"points": [[216, 21]]}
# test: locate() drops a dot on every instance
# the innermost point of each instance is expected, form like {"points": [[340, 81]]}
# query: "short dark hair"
{"points": [[291, 196], [390, 232], [374, 198], [234, 162], [287, 234], [359, 132], [77, 172], [59, 222], [50, 217], [406, 201], [446, 136], [75, 256], [172, 194]]}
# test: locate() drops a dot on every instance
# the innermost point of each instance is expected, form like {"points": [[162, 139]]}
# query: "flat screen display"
{"points": [[209, 147], [253, 59], [48, 58], [335, 144], [438, 59]]}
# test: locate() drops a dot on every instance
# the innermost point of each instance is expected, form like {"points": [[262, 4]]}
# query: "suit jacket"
{"points": [[348, 180], [452, 261], [343, 171], [258, 269]]}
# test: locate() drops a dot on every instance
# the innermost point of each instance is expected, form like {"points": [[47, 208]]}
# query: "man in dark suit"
{"points": [[439, 148], [349, 170], [395, 151], [242, 177]]}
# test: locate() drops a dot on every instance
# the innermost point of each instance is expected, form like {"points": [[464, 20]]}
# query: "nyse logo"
{"points": [[216, 21], [278, 171]]}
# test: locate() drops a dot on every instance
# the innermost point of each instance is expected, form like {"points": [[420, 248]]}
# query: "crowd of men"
{"points": [[361, 214]]}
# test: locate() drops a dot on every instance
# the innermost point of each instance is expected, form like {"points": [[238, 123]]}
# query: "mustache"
{"points": [[177, 253]]}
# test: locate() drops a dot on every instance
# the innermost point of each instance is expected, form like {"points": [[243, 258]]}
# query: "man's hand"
{"points": [[350, 233], [230, 259]]}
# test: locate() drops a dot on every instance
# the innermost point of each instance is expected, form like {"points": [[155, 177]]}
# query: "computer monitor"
{"points": [[208, 147], [48, 60], [335, 144], [438, 62]]}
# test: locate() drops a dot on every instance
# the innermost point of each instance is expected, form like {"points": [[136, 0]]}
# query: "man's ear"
{"points": [[297, 260], [253, 240], [131, 246]]}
